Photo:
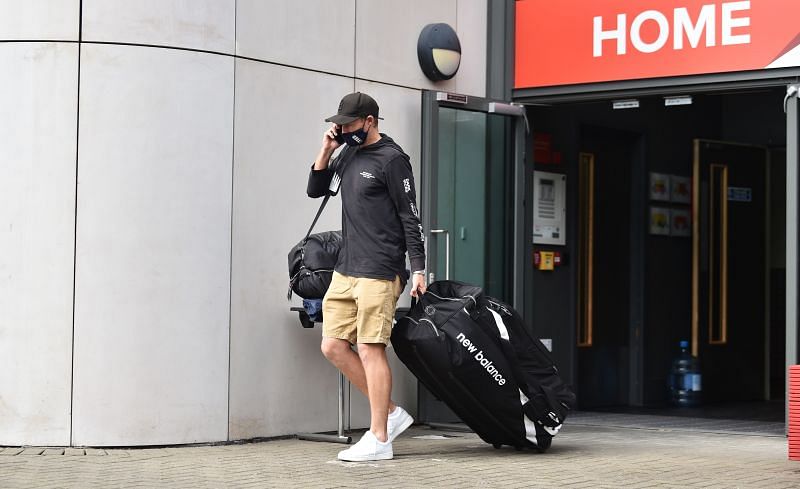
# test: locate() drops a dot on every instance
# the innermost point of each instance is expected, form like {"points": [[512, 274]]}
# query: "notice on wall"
{"points": [[740, 194], [549, 208]]}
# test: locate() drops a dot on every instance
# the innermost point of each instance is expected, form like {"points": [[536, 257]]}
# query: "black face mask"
{"points": [[357, 137]]}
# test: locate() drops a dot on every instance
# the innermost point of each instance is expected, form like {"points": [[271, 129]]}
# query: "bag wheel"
{"points": [[543, 442]]}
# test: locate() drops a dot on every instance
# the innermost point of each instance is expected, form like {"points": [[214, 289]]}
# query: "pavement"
{"points": [[590, 452]]}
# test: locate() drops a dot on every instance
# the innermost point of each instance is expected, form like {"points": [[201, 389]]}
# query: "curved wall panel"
{"points": [[207, 25], [152, 284], [37, 189], [41, 20]]}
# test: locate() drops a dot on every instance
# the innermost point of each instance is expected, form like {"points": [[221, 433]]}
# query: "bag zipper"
{"points": [[453, 298], [433, 326]]}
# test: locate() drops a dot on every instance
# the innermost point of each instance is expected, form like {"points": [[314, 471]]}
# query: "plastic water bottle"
{"points": [[685, 380]]}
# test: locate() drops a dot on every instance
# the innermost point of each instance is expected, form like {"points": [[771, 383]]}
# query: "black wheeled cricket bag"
{"points": [[474, 353]]}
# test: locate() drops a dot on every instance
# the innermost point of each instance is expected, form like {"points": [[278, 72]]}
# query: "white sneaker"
{"points": [[397, 422], [368, 448]]}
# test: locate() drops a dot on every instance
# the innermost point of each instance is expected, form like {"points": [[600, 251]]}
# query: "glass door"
{"points": [[472, 194]]}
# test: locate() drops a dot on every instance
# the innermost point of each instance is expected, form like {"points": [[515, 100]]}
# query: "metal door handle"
{"points": [[446, 252]]}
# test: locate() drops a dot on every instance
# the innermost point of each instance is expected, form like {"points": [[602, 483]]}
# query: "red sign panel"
{"points": [[581, 41]]}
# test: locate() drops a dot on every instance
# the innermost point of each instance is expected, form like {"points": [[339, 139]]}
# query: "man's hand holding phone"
{"points": [[333, 137], [331, 140]]}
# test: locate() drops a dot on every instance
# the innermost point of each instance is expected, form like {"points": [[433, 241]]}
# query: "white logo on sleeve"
{"points": [[367, 174], [407, 185]]}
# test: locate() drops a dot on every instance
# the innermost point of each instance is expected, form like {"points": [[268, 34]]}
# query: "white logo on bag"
{"points": [[481, 358], [367, 174]]}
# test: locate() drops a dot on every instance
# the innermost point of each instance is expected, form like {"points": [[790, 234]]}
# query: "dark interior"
{"points": [[643, 281]]}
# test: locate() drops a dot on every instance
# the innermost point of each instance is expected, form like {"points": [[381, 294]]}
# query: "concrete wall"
{"points": [[150, 195]]}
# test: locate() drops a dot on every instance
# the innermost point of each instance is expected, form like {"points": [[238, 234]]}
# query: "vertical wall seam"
{"points": [[457, 78], [233, 200], [75, 229], [355, 43]]}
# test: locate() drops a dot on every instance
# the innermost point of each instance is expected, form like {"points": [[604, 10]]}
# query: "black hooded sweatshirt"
{"points": [[380, 219]]}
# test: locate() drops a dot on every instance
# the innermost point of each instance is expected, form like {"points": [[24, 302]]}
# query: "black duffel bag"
{"points": [[311, 264], [474, 353]]}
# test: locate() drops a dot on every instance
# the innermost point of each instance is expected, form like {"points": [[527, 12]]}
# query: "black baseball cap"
{"points": [[354, 106]]}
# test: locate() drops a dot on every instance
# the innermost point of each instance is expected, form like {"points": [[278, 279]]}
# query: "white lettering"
{"points": [[729, 23], [619, 35], [683, 25], [636, 31], [481, 359], [467, 343]]}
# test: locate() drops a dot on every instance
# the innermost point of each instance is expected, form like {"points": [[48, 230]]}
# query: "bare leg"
{"points": [[379, 382], [339, 353]]}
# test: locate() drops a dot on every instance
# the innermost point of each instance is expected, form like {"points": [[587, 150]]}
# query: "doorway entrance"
{"points": [[628, 273]]}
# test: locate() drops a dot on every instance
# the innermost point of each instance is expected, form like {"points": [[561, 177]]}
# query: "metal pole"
{"points": [[339, 437], [340, 390]]}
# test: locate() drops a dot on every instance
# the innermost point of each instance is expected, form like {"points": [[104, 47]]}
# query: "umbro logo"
{"points": [[367, 174]]}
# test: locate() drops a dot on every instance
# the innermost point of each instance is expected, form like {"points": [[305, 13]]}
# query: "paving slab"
{"points": [[32, 451], [582, 456]]}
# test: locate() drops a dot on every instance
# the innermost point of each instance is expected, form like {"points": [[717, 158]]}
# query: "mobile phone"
{"points": [[338, 135]]}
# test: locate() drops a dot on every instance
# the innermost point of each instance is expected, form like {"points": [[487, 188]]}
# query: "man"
{"points": [[380, 223]]}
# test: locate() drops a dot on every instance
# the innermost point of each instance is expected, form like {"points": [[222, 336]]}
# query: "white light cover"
{"points": [[446, 61]]}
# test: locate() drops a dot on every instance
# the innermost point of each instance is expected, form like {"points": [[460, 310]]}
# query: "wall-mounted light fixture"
{"points": [[439, 52]]}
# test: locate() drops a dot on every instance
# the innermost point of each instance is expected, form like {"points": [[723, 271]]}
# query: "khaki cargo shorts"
{"points": [[360, 310]]}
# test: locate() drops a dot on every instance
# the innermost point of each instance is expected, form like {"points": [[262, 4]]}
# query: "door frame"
{"points": [[432, 101], [792, 108]]}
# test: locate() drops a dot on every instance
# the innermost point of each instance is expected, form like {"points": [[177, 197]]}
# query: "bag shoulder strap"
{"points": [[338, 170], [316, 218]]}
